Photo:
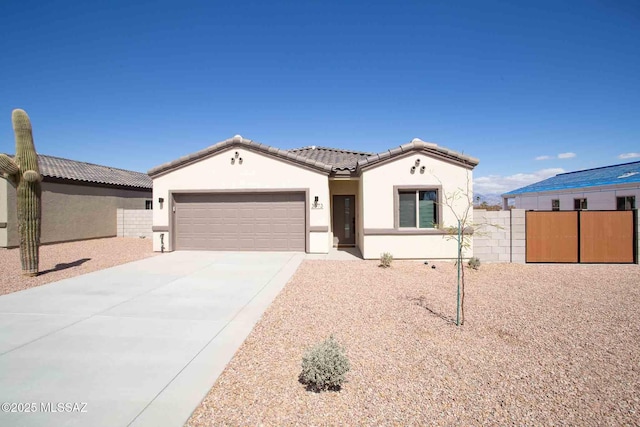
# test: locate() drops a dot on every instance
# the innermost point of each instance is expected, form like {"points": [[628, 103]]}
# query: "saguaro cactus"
{"points": [[23, 172]]}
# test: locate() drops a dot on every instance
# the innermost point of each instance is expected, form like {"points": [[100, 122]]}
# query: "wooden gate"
{"points": [[552, 236], [606, 236], [581, 236]]}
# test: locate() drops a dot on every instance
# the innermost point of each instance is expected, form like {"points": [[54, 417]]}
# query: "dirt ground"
{"points": [[63, 260], [541, 345]]}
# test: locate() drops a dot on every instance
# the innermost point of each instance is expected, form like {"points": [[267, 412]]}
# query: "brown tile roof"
{"points": [[339, 159], [237, 140], [419, 145], [57, 167], [327, 160], [355, 160]]}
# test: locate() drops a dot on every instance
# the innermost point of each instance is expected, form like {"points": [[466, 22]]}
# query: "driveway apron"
{"points": [[139, 344]]}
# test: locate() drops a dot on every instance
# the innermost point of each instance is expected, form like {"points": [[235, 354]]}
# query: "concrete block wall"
{"points": [[134, 222], [500, 235], [518, 236]]}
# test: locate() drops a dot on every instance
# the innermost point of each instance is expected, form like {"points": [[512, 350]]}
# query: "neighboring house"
{"points": [[243, 195], [79, 200], [615, 187]]}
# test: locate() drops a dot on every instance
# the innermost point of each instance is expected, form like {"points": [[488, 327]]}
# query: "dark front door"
{"points": [[344, 220]]}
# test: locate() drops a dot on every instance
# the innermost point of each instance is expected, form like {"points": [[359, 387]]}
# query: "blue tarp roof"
{"points": [[625, 173]]}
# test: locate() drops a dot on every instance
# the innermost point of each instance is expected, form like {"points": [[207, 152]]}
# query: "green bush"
{"points": [[385, 260], [474, 262], [324, 366]]}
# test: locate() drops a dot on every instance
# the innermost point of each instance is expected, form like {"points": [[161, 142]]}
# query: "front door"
{"points": [[344, 220]]}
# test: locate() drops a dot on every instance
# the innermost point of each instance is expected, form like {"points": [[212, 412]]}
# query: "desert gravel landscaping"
{"points": [[63, 260], [542, 345]]}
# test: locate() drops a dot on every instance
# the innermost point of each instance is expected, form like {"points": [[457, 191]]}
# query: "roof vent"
{"points": [[627, 175]]}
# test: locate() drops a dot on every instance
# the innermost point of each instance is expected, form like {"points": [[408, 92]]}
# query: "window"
{"points": [[148, 204], [555, 204], [579, 204], [626, 203], [417, 209]]}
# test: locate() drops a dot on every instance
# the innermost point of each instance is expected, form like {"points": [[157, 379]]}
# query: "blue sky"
{"points": [[136, 84]]}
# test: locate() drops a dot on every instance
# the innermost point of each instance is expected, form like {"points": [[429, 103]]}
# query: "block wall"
{"points": [[134, 222], [500, 236]]}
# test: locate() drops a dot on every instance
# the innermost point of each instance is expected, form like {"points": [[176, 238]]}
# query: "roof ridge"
{"points": [[599, 167], [318, 147]]}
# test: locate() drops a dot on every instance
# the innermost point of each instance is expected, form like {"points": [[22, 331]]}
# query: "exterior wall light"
{"points": [[316, 204], [160, 200]]}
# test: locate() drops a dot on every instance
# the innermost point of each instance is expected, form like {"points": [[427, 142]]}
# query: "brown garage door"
{"points": [[240, 222]]}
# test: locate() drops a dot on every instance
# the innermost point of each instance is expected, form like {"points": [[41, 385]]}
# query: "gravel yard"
{"points": [[62, 260], [542, 345]]}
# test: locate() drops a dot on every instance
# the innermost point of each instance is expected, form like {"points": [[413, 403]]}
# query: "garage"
{"points": [[248, 221]]}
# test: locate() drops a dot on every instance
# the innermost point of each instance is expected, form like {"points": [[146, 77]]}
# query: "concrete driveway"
{"points": [[135, 345]]}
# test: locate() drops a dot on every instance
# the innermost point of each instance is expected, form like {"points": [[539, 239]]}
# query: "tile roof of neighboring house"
{"points": [[57, 167], [324, 159], [626, 173]]}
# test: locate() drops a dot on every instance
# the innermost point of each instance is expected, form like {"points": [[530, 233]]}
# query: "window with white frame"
{"points": [[417, 208], [555, 204], [626, 203]]}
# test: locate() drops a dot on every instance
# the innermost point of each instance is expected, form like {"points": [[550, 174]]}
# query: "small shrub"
{"points": [[474, 262], [385, 260], [324, 366]]}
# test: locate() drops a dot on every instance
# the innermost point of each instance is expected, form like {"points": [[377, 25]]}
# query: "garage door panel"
{"points": [[243, 221]]}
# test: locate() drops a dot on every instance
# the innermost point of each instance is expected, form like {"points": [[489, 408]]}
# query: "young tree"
{"points": [[460, 204]]}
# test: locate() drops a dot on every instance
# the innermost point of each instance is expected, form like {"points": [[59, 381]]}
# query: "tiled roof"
{"points": [[419, 145], [243, 142], [352, 160], [323, 159], [57, 167], [339, 159], [626, 173]]}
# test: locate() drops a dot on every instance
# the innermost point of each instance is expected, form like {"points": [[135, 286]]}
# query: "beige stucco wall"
{"points": [[4, 211], [257, 171], [378, 207], [76, 212]]}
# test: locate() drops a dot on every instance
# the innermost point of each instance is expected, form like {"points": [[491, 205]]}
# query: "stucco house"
{"points": [[615, 187], [242, 195], [79, 200]]}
